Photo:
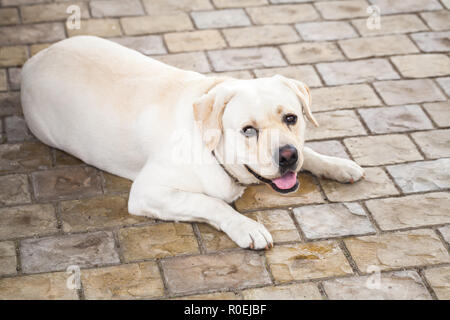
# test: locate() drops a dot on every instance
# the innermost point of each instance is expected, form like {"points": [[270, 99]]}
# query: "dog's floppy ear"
{"points": [[302, 92]]}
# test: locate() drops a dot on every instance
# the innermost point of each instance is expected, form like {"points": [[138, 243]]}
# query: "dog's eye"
{"points": [[290, 119], [249, 131]]}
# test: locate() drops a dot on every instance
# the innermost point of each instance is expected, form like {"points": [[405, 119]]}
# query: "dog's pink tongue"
{"points": [[287, 181]]}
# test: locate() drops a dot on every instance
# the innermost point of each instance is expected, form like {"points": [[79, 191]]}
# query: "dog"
{"points": [[135, 117]]}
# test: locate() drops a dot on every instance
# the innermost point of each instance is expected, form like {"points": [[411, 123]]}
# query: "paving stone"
{"points": [[408, 91], [381, 150], [3, 81], [334, 10], [260, 35], [222, 271], [9, 16], [14, 189], [96, 213], [435, 144], [9, 103], [421, 176], [439, 279], [193, 41], [51, 12], [278, 223], [14, 78], [242, 74], [402, 23], [157, 241], [162, 6], [20, 2], [332, 220], [376, 184], [307, 261], [395, 119], [238, 3], [306, 74], [167, 22], [129, 281], [287, 1], [195, 61], [437, 20], [343, 97], [446, 3], [97, 27], [66, 182], [403, 285], [445, 231], [59, 252], [335, 124], [445, 84], [115, 184], [380, 46], [393, 6], [397, 250], [262, 196], [325, 31], [422, 65], [432, 41], [16, 129], [116, 8], [331, 148], [8, 260], [220, 18], [336, 73], [64, 159], [238, 59], [144, 44], [24, 34], [297, 291], [211, 296], [35, 48], [13, 56], [285, 14], [213, 239], [307, 52], [48, 286], [27, 221], [439, 112], [410, 211]]}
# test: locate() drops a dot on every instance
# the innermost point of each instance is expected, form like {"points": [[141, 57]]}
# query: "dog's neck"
{"points": [[234, 171]]}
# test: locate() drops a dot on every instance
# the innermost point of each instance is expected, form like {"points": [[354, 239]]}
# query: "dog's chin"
{"points": [[283, 184]]}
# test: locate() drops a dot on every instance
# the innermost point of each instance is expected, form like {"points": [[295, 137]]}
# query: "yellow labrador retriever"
{"points": [[189, 142]]}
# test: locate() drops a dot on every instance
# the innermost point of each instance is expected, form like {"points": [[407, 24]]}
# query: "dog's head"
{"points": [[256, 128]]}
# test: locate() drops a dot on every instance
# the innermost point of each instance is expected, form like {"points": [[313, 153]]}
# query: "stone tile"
{"points": [[439, 112], [410, 211], [116, 8], [395, 119], [220, 18], [14, 189], [342, 97], [167, 22], [393, 6], [285, 14], [278, 223], [445, 84], [333, 220], [307, 261], [446, 3], [437, 20], [194, 61], [325, 31], [422, 65], [334, 10], [376, 184], [215, 240], [288, 1], [232, 270], [24, 34], [435, 144], [129, 281], [9, 16], [332, 148], [297, 291], [397, 250], [48, 286], [57, 253], [51, 12], [211, 296], [381, 150], [116, 184], [404, 285], [157, 241], [238, 3], [7, 3], [97, 27], [307, 52], [432, 41], [260, 35], [402, 23], [305, 73], [337, 73], [3, 81], [8, 260], [421, 176], [408, 91], [439, 279], [262, 196], [445, 231], [242, 74], [238, 59], [335, 124], [64, 159], [66, 182], [380, 46], [13, 56], [95, 213], [144, 44], [35, 48], [27, 221], [9, 103], [162, 6], [14, 78], [194, 41], [16, 129]]}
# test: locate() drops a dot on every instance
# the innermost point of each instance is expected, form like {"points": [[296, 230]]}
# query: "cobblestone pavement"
{"points": [[381, 96]]}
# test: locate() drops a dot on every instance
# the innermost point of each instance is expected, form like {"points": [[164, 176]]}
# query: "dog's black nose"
{"points": [[287, 156]]}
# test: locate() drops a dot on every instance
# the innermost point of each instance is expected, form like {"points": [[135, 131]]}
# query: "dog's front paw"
{"points": [[345, 171], [248, 233]]}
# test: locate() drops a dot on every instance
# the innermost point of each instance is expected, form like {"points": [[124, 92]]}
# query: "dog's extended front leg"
{"points": [[342, 170]]}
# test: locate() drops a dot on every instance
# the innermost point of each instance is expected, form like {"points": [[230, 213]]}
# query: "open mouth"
{"points": [[285, 184]]}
